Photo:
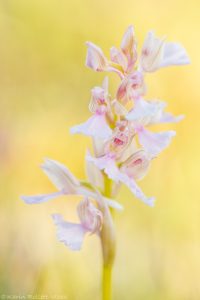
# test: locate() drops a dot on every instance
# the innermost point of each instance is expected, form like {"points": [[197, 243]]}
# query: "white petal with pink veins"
{"points": [[95, 126], [146, 112], [156, 53], [154, 143], [70, 234], [152, 53], [151, 112]]}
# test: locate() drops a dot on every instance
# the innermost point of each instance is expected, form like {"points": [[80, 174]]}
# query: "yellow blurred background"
{"points": [[45, 89]]}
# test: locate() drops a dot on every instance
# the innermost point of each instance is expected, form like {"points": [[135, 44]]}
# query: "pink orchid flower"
{"points": [[97, 125], [146, 113], [132, 87], [67, 184], [108, 162], [72, 234], [113, 150], [156, 53], [134, 168], [121, 61], [97, 61]]}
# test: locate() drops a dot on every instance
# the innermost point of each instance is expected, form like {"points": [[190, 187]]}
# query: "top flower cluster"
{"points": [[124, 147]]}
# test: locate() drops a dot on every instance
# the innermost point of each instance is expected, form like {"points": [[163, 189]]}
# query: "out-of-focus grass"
{"points": [[45, 90]]}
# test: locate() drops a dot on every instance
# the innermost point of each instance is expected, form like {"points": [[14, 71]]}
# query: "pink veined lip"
{"points": [[137, 162], [118, 142]]}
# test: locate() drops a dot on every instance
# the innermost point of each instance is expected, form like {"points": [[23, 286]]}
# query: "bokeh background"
{"points": [[45, 89]]}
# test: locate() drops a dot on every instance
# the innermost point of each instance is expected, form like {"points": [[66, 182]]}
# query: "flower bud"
{"points": [[91, 218]]}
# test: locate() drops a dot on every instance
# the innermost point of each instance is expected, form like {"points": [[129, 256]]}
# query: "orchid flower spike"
{"points": [[123, 145]]}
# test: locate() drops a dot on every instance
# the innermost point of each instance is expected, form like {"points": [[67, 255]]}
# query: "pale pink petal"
{"points": [[154, 143], [132, 148], [98, 93], [70, 234], [98, 146], [120, 110], [60, 176], [118, 57], [152, 53], [151, 112], [107, 164], [131, 184], [174, 54], [95, 126], [169, 118], [111, 170], [128, 40], [128, 46], [114, 204], [41, 198], [94, 195], [146, 112], [156, 53], [113, 67], [95, 59], [105, 85], [94, 175]]}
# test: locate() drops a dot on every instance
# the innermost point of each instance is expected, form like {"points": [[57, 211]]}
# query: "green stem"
{"points": [[108, 246], [107, 282], [107, 186]]}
